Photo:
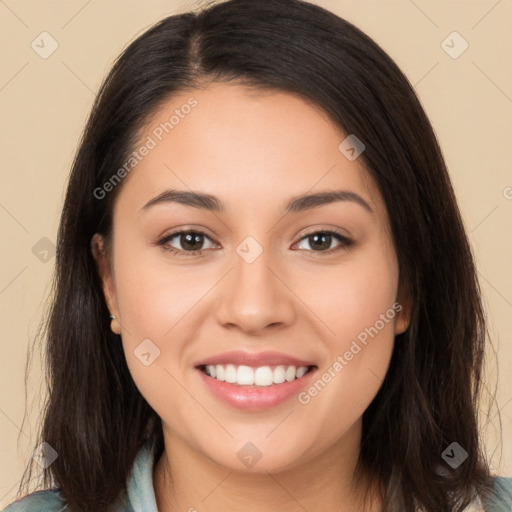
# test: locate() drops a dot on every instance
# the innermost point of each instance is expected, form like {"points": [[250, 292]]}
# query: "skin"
{"points": [[254, 151]]}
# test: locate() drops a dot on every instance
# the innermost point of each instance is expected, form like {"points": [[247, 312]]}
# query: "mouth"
{"points": [[255, 377], [255, 388]]}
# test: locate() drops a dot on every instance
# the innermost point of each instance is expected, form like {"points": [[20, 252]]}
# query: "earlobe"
{"points": [[403, 308], [402, 320], [102, 266]]}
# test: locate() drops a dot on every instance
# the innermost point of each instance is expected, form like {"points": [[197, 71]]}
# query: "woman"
{"points": [[265, 298]]}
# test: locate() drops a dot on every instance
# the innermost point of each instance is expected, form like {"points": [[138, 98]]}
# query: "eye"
{"points": [[190, 241], [322, 240]]}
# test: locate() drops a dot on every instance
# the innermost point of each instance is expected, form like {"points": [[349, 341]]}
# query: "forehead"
{"points": [[243, 145]]}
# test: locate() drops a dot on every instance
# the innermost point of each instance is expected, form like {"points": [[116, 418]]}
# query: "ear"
{"points": [[403, 308], [105, 274]]}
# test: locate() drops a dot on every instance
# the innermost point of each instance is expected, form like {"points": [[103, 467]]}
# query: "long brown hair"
{"points": [[95, 417]]}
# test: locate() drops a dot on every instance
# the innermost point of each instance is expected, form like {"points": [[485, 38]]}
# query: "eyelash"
{"points": [[345, 242]]}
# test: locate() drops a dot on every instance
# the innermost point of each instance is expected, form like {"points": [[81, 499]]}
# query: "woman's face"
{"points": [[263, 280]]}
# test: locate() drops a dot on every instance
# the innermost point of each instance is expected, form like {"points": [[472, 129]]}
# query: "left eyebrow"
{"points": [[295, 205], [309, 201], [194, 199]]}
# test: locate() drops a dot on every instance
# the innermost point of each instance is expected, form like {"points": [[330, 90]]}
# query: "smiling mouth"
{"points": [[246, 376]]}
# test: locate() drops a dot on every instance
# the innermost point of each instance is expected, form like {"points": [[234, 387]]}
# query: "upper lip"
{"points": [[254, 359]]}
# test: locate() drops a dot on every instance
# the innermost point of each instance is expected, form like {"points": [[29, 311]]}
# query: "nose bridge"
{"points": [[254, 297]]}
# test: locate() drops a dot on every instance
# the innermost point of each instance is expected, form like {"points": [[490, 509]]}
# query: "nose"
{"points": [[254, 296]]}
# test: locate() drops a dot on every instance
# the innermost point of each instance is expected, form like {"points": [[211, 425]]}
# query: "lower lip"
{"points": [[255, 398]]}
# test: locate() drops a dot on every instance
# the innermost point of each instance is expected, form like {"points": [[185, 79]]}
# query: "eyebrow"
{"points": [[296, 204]]}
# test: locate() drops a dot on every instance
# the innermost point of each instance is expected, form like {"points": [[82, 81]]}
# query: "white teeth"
{"points": [[219, 371], [301, 371], [261, 376], [245, 375], [279, 374], [290, 373]]}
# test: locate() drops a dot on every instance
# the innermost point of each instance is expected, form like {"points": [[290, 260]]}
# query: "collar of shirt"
{"points": [[140, 490]]}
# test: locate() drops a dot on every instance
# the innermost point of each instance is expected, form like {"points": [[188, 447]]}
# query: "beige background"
{"points": [[44, 104]]}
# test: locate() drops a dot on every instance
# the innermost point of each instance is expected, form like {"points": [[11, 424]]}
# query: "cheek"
{"points": [[361, 314], [158, 301], [153, 293], [155, 301], [351, 296]]}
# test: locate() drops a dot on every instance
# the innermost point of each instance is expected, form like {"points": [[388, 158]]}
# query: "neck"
{"points": [[189, 481]]}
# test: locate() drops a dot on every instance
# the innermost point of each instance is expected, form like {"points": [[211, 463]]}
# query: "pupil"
{"points": [[193, 238], [324, 237]]}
